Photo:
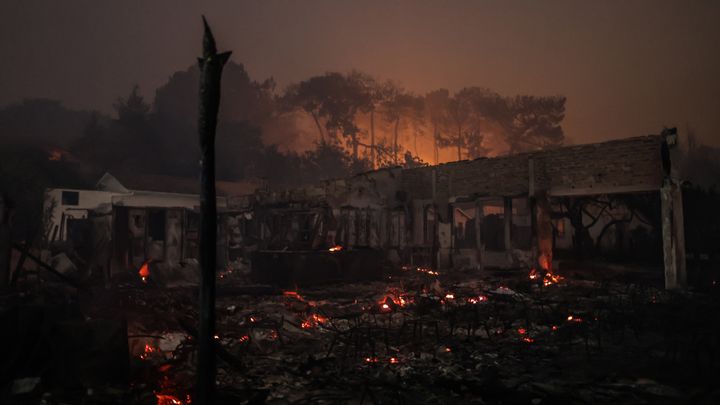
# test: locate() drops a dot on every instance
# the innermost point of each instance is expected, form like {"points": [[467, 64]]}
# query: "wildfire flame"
{"points": [[144, 271], [335, 248]]}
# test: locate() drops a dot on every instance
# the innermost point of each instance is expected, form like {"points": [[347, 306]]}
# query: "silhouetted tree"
{"points": [[534, 123], [335, 99], [399, 105], [436, 111]]}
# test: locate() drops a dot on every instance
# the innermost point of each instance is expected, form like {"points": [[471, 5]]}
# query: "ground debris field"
{"points": [[418, 337], [424, 338]]}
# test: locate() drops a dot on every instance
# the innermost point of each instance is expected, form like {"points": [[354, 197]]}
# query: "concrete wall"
{"points": [[87, 200], [164, 200], [620, 166]]}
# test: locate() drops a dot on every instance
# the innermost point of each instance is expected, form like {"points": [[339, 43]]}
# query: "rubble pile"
{"points": [[423, 337]]}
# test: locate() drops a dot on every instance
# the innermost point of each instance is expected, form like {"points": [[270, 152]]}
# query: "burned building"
{"points": [[502, 212], [129, 220], [515, 211]]}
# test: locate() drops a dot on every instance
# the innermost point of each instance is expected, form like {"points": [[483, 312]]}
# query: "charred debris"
{"points": [[559, 276], [469, 281]]}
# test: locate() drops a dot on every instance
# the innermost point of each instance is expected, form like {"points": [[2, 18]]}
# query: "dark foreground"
{"points": [[416, 338]]}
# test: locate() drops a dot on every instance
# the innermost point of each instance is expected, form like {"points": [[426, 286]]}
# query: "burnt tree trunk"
{"points": [[395, 141], [5, 242], [319, 127], [372, 139], [459, 143], [436, 144], [211, 65]]}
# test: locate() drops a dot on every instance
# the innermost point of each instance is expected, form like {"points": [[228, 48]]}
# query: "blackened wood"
{"points": [[211, 65], [24, 251], [29, 242], [5, 241]]}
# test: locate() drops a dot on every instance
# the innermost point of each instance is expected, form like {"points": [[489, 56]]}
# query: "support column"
{"points": [[507, 214], [542, 231], [479, 243], [673, 235]]}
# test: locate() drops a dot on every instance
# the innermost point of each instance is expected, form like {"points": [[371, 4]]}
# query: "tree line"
{"points": [[330, 125]]}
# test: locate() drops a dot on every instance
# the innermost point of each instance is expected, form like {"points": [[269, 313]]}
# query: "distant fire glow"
{"points": [[335, 249]]}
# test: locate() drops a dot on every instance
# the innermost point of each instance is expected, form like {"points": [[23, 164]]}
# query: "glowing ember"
{"points": [[148, 351], [551, 278], [166, 399], [336, 248], [554, 327], [228, 271], [144, 271], [371, 360], [478, 299], [390, 302], [528, 339], [448, 350], [244, 338], [394, 360], [548, 279], [216, 337], [297, 296], [571, 318], [426, 270], [533, 274], [522, 331], [449, 296], [313, 321], [293, 294]]}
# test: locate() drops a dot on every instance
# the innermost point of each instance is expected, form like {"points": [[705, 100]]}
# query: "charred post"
{"points": [[211, 65], [5, 242]]}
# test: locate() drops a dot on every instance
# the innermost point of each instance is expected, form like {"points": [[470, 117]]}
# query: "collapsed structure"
{"points": [[488, 212]]}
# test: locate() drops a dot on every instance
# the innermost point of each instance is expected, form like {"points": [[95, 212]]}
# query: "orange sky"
{"points": [[626, 67]]}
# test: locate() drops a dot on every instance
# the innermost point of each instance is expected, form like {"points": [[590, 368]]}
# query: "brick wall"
{"points": [[624, 163]]}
